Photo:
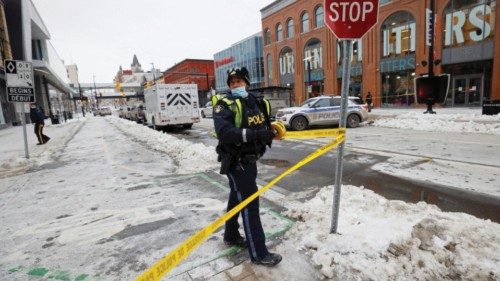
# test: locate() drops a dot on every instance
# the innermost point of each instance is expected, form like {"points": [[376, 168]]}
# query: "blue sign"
{"points": [[397, 64]]}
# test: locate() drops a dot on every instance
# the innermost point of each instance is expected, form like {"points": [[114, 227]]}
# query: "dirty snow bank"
{"points": [[382, 239], [466, 123], [191, 157]]}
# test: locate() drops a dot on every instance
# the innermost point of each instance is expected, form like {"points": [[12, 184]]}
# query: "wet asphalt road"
{"points": [[357, 171]]}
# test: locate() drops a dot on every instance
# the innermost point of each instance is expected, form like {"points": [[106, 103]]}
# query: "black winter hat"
{"points": [[241, 73]]}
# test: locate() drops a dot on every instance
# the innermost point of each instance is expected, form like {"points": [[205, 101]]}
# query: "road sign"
{"points": [[20, 86], [351, 19]]}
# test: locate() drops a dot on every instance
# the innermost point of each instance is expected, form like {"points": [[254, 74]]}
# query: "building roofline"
{"points": [[185, 60], [275, 7]]}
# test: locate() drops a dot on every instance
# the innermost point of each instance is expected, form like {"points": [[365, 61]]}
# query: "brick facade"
{"points": [[279, 12], [191, 71]]}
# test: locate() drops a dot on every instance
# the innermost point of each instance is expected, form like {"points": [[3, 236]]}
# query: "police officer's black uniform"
{"points": [[240, 146]]}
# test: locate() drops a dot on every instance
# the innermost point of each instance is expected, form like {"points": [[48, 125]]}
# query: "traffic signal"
{"points": [[118, 87], [432, 88]]}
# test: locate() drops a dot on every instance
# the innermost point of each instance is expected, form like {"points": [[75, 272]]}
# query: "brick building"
{"points": [[191, 71], [299, 51]]}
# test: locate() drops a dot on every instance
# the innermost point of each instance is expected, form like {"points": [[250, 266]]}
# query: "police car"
{"points": [[322, 110]]}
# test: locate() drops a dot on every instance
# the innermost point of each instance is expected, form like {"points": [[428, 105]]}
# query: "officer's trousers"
{"points": [[242, 183]]}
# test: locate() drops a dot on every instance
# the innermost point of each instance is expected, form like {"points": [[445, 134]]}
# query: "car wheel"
{"points": [[299, 123], [353, 121], [203, 115]]}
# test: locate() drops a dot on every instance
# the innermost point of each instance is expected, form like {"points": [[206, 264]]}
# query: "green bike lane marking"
{"points": [[63, 275], [52, 274], [234, 249]]}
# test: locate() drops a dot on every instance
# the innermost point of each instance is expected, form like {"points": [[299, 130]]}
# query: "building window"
{"points": [[269, 69], [279, 32], [313, 66], [286, 66], [356, 52], [304, 20], [36, 49], [290, 29], [319, 16], [468, 22], [398, 35], [267, 37]]}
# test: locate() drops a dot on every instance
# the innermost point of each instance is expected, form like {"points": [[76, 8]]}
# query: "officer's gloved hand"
{"points": [[264, 136]]}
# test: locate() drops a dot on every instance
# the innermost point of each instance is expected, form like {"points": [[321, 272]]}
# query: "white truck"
{"points": [[172, 105]]}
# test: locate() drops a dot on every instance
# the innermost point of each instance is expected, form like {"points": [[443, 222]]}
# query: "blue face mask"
{"points": [[240, 92]]}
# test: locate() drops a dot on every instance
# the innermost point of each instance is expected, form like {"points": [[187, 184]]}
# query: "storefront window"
{"points": [[398, 89], [287, 70], [313, 65], [304, 22], [397, 66], [319, 16], [279, 33], [398, 35], [290, 29], [356, 52], [468, 22]]}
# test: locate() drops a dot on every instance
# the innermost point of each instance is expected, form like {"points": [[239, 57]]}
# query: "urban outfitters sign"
{"points": [[397, 64], [469, 26]]}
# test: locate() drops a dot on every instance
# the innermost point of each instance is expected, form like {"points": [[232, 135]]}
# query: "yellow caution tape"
{"points": [[313, 134], [170, 261], [282, 133]]}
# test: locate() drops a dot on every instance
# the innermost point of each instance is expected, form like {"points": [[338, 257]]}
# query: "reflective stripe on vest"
{"points": [[236, 108], [215, 98]]}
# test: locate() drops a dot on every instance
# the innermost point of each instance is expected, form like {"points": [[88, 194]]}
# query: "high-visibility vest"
{"points": [[237, 109]]}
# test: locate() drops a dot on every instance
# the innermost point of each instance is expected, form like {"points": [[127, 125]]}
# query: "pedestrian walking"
{"points": [[243, 127], [369, 101], [37, 117]]}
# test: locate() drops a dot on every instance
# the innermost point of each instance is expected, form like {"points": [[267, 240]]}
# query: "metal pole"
{"points": [[346, 74], [154, 78], [308, 78], [95, 93], [23, 121], [431, 47]]}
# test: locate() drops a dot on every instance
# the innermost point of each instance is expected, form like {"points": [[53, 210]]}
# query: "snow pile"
{"points": [[189, 157], [382, 239], [467, 123]]}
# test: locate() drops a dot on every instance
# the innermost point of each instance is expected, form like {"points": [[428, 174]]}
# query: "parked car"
{"points": [[104, 110], [322, 110], [207, 110]]}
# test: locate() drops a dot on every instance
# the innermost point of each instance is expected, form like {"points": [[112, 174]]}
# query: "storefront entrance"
{"points": [[466, 90]]}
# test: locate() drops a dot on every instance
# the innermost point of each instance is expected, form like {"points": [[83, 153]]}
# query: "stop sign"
{"points": [[350, 19]]}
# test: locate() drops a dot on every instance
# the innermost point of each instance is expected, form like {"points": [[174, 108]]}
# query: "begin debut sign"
{"points": [[350, 19]]}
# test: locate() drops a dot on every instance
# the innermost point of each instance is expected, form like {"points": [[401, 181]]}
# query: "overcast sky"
{"points": [[101, 35]]}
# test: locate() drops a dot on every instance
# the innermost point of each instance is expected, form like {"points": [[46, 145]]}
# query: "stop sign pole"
{"points": [[348, 20]]}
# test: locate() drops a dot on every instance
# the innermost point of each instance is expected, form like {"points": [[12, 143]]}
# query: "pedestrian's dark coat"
{"points": [[37, 115]]}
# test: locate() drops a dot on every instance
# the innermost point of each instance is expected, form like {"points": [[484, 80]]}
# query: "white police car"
{"points": [[322, 110]]}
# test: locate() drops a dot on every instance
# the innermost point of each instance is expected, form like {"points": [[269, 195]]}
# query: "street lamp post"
{"points": [[154, 78], [95, 93], [308, 62]]}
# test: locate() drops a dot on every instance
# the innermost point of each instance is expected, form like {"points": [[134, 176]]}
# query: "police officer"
{"points": [[37, 117], [241, 121]]}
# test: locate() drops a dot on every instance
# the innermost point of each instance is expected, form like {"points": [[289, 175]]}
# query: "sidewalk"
{"points": [[12, 148]]}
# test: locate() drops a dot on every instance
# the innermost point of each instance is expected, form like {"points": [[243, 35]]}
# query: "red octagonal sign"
{"points": [[350, 19]]}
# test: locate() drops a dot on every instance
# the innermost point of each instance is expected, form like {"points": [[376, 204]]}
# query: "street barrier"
{"points": [[170, 261]]}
